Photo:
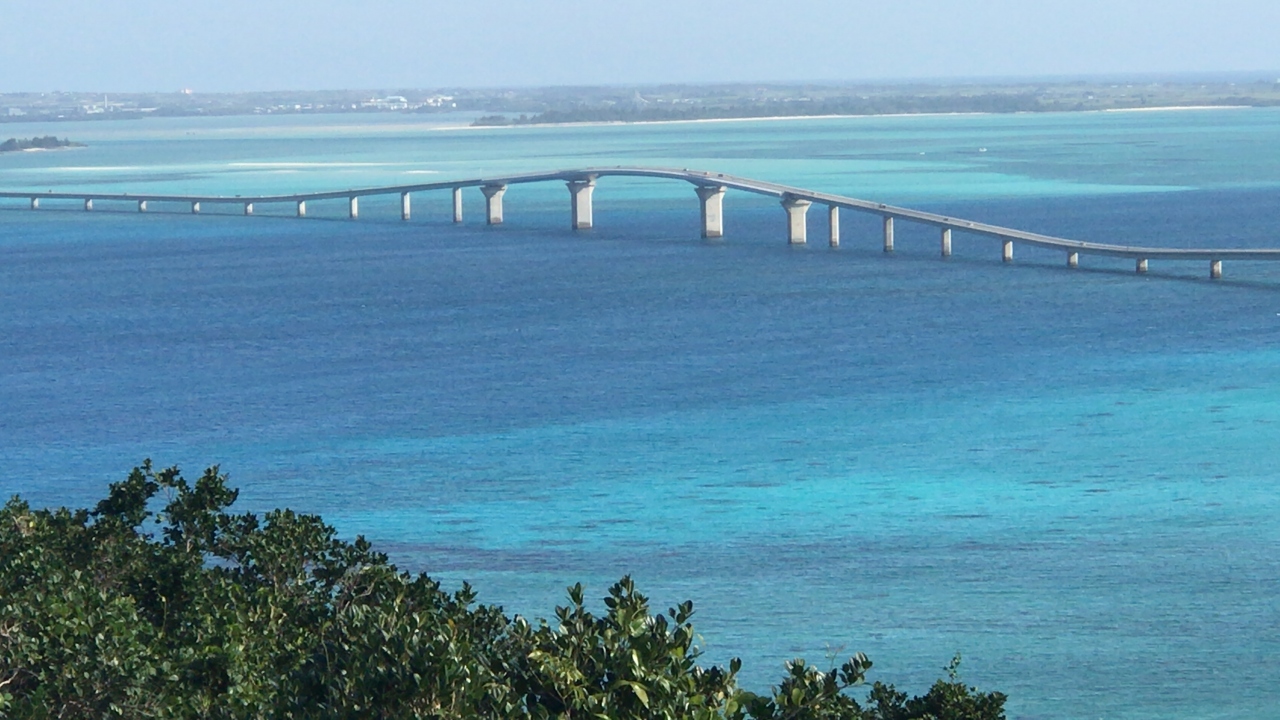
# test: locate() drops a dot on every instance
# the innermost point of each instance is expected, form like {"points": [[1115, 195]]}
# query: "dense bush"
{"points": [[195, 612]]}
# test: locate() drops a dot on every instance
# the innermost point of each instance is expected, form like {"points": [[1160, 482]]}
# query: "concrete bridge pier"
{"points": [[797, 224], [1073, 259], [142, 206], [580, 202], [248, 208], [493, 202], [1141, 266], [195, 208], [302, 208], [711, 200], [833, 225], [404, 206], [353, 207], [888, 234], [946, 242], [1215, 269], [457, 205], [1006, 253], [88, 204], [35, 203]]}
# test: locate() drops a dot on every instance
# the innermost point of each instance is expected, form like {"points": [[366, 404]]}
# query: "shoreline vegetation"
{"points": [[498, 121], [666, 103], [161, 603], [47, 142], [897, 103]]}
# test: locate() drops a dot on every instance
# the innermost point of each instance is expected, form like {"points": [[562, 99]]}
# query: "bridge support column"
{"points": [[711, 199], [1141, 267], [404, 206], [35, 203], [142, 206], [248, 208], [946, 242], [88, 204], [195, 208], [353, 208], [1215, 269], [833, 225], [888, 234], [797, 224], [302, 208], [1073, 259], [457, 205], [1006, 253], [493, 202], [580, 203]]}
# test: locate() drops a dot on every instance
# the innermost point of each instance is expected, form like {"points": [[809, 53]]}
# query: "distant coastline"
{"points": [[1168, 108], [666, 102], [616, 116], [777, 118]]}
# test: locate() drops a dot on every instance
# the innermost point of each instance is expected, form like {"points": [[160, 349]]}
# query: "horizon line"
{"points": [[1171, 77]]}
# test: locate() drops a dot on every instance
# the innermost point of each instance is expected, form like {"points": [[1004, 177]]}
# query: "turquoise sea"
{"points": [[1067, 476]]}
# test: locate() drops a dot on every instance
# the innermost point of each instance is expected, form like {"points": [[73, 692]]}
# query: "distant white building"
{"points": [[106, 106], [391, 102]]}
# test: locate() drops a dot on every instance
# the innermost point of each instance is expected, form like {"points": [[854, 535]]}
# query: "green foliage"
{"points": [[626, 664], [191, 611]]}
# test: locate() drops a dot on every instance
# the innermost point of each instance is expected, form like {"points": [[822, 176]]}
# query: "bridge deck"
{"points": [[703, 179]]}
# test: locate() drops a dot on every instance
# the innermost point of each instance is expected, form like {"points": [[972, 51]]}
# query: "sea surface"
{"points": [[1069, 477]]}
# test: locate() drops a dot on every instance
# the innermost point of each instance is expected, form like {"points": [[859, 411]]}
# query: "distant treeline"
{"points": [[879, 105], [652, 112], [48, 142], [658, 102]]}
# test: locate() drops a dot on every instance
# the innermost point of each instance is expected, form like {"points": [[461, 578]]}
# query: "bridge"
{"points": [[710, 189]]}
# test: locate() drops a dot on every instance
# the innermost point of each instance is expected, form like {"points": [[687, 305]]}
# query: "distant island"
{"points": [[48, 142], [685, 103], [640, 110], [671, 102]]}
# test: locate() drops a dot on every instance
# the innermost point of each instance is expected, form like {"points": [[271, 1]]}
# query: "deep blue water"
{"points": [[1068, 476]]}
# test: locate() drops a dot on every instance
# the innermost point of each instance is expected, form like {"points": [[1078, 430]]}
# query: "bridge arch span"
{"points": [[710, 189]]}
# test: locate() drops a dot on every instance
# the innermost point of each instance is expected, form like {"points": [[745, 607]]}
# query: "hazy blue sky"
{"points": [[223, 45]]}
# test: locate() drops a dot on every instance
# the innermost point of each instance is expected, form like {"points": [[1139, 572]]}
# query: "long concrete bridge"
{"points": [[710, 189]]}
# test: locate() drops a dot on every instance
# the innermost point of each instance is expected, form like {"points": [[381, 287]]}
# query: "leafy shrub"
{"points": [[196, 612]]}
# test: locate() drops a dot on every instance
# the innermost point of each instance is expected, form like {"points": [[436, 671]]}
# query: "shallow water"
{"points": [[1066, 476]]}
